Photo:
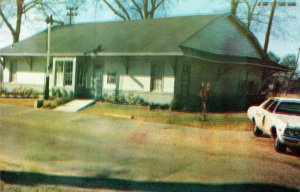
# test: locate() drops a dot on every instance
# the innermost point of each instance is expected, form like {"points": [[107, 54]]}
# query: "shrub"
{"points": [[28, 92], [60, 101], [59, 93], [175, 104], [21, 92], [3, 92], [35, 94], [121, 99], [130, 99], [39, 103], [53, 93], [60, 97], [153, 106], [50, 104], [65, 93], [71, 95], [135, 100], [15, 92]]}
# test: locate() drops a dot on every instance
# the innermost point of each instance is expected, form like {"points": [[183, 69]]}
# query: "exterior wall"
{"points": [[133, 76], [30, 72], [227, 82]]}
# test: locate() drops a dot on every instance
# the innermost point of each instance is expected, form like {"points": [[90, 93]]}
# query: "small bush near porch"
{"points": [[226, 121]]}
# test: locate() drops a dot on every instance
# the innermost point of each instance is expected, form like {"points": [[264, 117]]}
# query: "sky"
{"points": [[285, 38]]}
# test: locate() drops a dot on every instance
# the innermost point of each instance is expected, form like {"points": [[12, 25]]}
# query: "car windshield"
{"points": [[289, 108]]}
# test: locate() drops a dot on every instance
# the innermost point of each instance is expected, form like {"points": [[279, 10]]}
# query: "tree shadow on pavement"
{"points": [[29, 178]]}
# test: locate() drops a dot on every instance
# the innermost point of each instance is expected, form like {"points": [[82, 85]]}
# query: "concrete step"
{"points": [[75, 105]]}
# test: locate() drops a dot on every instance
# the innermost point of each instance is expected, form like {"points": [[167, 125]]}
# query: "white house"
{"points": [[156, 59]]}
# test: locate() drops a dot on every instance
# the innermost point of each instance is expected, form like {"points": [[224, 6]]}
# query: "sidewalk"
{"points": [[75, 105]]}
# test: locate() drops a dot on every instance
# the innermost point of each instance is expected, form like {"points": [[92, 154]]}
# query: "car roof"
{"points": [[287, 99]]}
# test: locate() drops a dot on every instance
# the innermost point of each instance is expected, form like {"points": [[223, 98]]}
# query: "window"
{"points": [[157, 77], [272, 107], [111, 78], [68, 73], [12, 72], [268, 104], [63, 73], [289, 108], [59, 73]]}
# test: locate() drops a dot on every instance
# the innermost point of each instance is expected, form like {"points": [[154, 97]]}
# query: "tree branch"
{"points": [[114, 10], [123, 9], [159, 4], [138, 9], [30, 5], [6, 22]]}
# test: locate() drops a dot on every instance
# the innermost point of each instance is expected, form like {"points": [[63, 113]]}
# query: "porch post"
{"points": [[74, 75]]}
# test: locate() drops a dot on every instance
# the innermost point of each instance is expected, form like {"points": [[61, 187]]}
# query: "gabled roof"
{"points": [[221, 37], [140, 36], [224, 36]]}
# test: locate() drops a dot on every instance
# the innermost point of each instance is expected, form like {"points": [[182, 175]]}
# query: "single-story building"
{"points": [[157, 59]]}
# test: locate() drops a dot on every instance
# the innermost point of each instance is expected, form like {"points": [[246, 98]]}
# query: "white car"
{"points": [[279, 118]]}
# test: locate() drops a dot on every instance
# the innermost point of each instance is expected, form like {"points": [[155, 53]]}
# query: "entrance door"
{"points": [[98, 80]]}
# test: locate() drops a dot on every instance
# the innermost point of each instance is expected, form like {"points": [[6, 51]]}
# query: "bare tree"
{"points": [[203, 94], [251, 7], [248, 11], [258, 17], [13, 12], [234, 6], [133, 9]]}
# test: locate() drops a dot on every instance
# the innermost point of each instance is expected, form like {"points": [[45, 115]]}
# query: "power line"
{"points": [[280, 4]]}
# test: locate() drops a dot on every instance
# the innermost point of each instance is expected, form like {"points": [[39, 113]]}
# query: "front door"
{"points": [[98, 80]]}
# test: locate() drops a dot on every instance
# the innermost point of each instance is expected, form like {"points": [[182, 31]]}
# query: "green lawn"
{"points": [[225, 121]]}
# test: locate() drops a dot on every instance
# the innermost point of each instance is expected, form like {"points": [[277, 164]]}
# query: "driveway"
{"points": [[88, 147]]}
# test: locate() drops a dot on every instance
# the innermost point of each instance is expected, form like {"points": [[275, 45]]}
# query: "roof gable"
{"points": [[140, 36], [224, 36]]}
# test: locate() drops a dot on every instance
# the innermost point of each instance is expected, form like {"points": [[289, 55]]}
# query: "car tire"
{"points": [[279, 147], [296, 151], [256, 131]]}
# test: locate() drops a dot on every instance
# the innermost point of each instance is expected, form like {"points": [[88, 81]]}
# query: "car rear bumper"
{"points": [[291, 141]]}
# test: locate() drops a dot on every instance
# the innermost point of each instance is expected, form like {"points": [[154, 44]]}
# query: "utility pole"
{"points": [[267, 38], [71, 13], [49, 21], [273, 4]]}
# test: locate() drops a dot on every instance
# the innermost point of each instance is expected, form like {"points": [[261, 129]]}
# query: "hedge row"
{"points": [[20, 93]]}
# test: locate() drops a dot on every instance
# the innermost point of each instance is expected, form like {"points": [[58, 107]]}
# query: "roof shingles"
{"points": [[156, 35]]}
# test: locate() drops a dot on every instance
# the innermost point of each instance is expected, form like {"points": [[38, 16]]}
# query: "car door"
{"points": [[261, 111], [267, 121]]}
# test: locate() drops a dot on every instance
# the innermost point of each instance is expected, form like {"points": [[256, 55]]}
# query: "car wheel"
{"points": [[296, 150], [256, 130], [279, 147]]}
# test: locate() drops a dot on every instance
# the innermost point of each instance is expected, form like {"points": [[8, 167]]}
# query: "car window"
{"points": [[289, 108], [267, 104], [272, 106]]}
